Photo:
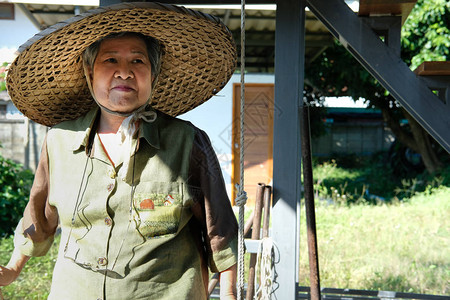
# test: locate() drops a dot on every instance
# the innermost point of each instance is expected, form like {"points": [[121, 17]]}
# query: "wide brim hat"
{"points": [[46, 81]]}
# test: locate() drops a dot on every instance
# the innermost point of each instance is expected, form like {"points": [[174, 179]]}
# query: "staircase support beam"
{"points": [[386, 66]]}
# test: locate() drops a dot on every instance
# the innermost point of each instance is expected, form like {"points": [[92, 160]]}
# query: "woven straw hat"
{"points": [[46, 81]]}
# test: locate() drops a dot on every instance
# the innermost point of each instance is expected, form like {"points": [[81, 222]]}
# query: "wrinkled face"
{"points": [[121, 77]]}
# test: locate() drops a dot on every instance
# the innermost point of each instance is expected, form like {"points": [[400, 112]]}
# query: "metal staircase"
{"points": [[424, 96]]}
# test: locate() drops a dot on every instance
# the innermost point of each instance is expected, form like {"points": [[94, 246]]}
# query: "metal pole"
{"points": [[289, 81], [314, 277]]}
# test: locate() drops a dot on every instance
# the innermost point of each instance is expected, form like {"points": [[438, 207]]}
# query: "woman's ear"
{"points": [[90, 73]]}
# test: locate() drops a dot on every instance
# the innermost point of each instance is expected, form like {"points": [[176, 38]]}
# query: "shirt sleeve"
{"points": [[35, 231], [212, 207]]}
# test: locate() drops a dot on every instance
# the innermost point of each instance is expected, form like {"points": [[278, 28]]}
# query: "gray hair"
{"points": [[154, 51]]}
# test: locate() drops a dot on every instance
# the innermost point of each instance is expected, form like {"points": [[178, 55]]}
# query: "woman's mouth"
{"points": [[123, 88]]}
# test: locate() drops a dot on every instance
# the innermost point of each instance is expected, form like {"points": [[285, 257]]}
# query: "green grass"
{"points": [[35, 280], [401, 247]]}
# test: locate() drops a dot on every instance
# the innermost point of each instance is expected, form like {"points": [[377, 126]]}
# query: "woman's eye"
{"points": [[111, 60], [138, 61]]}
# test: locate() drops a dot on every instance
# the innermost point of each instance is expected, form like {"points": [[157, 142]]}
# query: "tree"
{"points": [[2, 76], [426, 33], [15, 185], [425, 36]]}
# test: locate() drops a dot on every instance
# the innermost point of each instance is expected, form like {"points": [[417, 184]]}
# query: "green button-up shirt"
{"points": [[148, 235]]}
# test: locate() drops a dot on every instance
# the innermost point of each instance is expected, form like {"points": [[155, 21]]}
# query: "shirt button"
{"points": [[102, 261], [112, 174], [110, 187], [108, 221]]}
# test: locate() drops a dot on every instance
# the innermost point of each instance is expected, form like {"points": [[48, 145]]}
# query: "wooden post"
{"points": [[255, 236], [266, 217]]}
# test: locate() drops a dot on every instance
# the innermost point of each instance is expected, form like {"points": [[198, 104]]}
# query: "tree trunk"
{"points": [[423, 142], [402, 135], [417, 140]]}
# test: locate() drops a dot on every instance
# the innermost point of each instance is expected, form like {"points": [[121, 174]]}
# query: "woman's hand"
{"points": [[228, 283], [10, 272], [8, 275]]}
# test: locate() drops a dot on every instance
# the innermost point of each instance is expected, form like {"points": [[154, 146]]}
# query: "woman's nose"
{"points": [[123, 71]]}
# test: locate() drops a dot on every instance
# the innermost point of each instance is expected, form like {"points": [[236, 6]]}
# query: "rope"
{"points": [[265, 269], [241, 197]]}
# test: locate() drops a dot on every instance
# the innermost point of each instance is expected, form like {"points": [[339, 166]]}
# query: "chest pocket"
{"points": [[159, 208]]}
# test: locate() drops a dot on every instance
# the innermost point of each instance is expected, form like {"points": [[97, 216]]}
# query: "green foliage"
{"points": [[424, 184], [426, 33], [370, 181], [15, 185], [342, 186], [2, 76]]}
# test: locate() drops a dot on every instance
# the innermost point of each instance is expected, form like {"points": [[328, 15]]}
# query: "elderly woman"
{"points": [[138, 194]]}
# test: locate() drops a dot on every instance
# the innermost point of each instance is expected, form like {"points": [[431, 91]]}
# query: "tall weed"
{"points": [[373, 182]]}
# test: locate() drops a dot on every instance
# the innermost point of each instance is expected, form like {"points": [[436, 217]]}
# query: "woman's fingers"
{"points": [[7, 275]]}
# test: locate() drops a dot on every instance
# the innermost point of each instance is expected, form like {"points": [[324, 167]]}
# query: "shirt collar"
{"points": [[148, 130], [83, 127]]}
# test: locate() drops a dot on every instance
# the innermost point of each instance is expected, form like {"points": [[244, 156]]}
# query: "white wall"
{"points": [[215, 118], [15, 33], [12, 112]]}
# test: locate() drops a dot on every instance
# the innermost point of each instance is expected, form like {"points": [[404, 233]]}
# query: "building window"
{"points": [[6, 11], [2, 111]]}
